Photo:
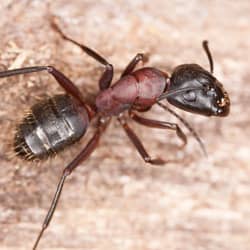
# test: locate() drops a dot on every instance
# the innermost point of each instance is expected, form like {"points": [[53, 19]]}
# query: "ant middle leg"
{"points": [[131, 66], [107, 75], [138, 144]]}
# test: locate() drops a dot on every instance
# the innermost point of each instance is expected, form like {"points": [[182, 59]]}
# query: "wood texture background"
{"points": [[194, 204]]}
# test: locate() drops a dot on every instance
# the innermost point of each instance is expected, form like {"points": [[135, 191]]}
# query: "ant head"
{"points": [[203, 93], [196, 90]]}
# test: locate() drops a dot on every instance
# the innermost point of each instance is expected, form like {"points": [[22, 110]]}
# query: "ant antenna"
{"points": [[209, 55], [176, 92], [187, 125]]}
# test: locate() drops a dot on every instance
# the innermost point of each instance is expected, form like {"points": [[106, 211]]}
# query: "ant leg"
{"points": [[62, 80], [136, 141], [107, 75], [161, 125], [187, 125], [83, 155], [131, 66]]}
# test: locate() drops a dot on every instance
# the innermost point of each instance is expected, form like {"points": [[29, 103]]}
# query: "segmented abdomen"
{"points": [[49, 127]]}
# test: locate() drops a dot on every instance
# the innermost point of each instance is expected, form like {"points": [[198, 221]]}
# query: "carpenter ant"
{"points": [[61, 120]]}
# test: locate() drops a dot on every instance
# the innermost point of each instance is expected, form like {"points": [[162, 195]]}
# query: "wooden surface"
{"points": [[194, 204]]}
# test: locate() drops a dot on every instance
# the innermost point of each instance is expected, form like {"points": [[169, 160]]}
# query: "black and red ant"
{"points": [[59, 121]]}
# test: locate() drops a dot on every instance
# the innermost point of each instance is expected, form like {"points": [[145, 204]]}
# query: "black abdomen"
{"points": [[51, 125]]}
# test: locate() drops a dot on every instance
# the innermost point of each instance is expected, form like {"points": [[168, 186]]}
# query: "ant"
{"points": [[60, 120]]}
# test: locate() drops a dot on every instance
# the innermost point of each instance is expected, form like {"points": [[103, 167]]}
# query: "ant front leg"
{"points": [[83, 155], [107, 75], [137, 143], [160, 124], [131, 66], [187, 125]]}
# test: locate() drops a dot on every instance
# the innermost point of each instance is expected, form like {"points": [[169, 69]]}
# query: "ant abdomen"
{"points": [[51, 125]]}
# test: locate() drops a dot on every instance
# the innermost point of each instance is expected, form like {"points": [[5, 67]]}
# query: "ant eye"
{"points": [[211, 92], [206, 87], [190, 96]]}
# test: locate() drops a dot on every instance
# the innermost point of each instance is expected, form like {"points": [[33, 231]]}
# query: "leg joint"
{"points": [[109, 66], [147, 159], [50, 69]]}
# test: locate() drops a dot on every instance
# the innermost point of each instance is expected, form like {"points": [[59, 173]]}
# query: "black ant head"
{"points": [[200, 92], [196, 90]]}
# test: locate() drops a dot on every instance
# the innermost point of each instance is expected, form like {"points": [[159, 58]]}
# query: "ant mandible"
{"points": [[61, 120]]}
